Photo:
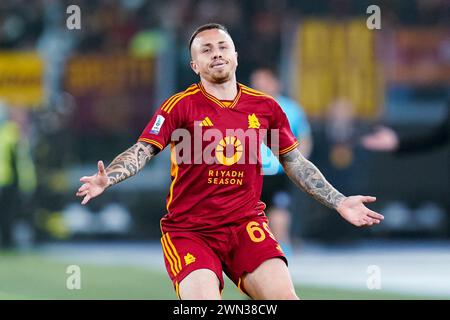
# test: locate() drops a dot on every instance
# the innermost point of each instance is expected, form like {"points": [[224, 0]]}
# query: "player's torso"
{"points": [[220, 136], [215, 155]]}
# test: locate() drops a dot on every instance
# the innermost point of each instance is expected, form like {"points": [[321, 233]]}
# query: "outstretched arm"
{"points": [[125, 165], [306, 176]]}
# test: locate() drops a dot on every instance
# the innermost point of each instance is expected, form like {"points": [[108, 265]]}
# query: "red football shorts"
{"points": [[235, 250]]}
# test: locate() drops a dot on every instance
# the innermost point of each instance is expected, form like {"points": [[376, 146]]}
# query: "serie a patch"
{"points": [[158, 124]]}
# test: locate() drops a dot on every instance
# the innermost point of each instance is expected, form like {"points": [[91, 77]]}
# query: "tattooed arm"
{"points": [[130, 162], [306, 176], [125, 165]]}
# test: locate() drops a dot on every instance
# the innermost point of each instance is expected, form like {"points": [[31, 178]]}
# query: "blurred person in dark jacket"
{"points": [[386, 139]]}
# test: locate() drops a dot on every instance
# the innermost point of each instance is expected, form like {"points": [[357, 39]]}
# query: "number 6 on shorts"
{"points": [[255, 232]]}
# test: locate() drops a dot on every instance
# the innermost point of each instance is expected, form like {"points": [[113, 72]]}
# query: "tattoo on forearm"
{"points": [[306, 176], [130, 162]]}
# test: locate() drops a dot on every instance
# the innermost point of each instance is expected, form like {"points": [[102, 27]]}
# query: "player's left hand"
{"points": [[354, 211]]}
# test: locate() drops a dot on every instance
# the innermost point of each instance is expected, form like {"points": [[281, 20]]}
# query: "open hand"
{"points": [[354, 211], [94, 185]]}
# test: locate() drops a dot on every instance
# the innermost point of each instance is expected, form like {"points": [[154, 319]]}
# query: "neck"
{"points": [[222, 91]]}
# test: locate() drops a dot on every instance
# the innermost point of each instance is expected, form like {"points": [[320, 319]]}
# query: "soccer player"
{"points": [[215, 221]]}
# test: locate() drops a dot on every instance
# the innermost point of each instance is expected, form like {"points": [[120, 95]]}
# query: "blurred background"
{"points": [[71, 97]]}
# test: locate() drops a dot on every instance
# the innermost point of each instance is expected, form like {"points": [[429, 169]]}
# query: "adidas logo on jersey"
{"points": [[206, 123]]}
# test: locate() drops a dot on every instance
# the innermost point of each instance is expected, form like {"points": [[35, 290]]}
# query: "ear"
{"points": [[194, 67], [237, 60]]}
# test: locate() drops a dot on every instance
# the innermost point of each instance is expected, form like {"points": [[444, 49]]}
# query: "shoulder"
{"points": [[251, 93], [181, 98]]}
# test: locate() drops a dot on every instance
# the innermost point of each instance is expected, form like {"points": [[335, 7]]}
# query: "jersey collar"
{"points": [[217, 101]]}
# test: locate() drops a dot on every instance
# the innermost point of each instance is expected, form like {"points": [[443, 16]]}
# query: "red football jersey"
{"points": [[215, 163]]}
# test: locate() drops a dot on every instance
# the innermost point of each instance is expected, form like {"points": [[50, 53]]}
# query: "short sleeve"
{"points": [[280, 137], [168, 118]]}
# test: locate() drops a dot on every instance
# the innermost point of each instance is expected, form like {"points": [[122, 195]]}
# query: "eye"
{"points": [[223, 48], [205, 50]]}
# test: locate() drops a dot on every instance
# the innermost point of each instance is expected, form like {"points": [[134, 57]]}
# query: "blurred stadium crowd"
{"points": [[71, 97]]}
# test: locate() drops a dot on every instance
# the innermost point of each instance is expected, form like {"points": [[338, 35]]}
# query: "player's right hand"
{"points": [[383, 139], [93, 186]]}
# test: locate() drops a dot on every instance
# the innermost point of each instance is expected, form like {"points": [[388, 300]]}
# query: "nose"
{"points": [[217, 54]]}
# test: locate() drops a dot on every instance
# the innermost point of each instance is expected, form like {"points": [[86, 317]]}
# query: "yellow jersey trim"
{"points": [[170, 258], [174, 173], [286, 150], [151, 141]]}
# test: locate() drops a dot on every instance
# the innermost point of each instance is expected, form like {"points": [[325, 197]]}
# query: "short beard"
{"points": [[221, 79]]}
